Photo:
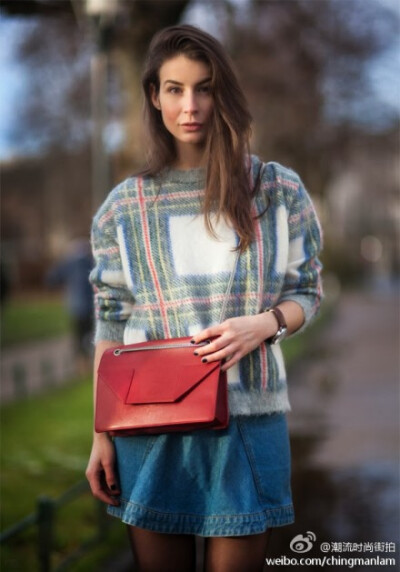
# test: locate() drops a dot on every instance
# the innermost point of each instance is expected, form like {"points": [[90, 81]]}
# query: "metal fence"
{"points": [[45, 518]]}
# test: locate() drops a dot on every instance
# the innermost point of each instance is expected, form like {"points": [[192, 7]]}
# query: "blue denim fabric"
{"points": [[210, 483]]}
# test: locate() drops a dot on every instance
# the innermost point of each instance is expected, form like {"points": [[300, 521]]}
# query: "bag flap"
{"points": [[157, 386], [116, 375], [142, 379]]}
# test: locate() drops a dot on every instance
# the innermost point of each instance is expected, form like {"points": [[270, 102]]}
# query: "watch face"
{"points": [[279, 336]]}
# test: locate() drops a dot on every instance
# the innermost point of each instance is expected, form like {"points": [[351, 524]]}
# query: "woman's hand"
{"points": [[100, 471], [235, 338]]}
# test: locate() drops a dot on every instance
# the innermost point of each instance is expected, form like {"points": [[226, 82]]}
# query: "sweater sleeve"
{"points": [[113, 300], [302, 282]]}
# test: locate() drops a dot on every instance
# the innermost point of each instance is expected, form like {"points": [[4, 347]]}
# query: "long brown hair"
{"points": [[227, 189]]}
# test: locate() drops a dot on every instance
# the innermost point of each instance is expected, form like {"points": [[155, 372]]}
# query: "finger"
{"points": [[106, 492], [111, 480], [104, 497], [219, 355], [211, 332], [230, 362], [99, 489], [214, 346]]}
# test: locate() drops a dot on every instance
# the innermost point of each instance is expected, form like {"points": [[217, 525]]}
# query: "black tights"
{"points": [[156, 552]]}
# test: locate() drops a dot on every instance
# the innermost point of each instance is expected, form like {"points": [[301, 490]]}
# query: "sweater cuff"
{"points": [[110, 330], [310, 306]]}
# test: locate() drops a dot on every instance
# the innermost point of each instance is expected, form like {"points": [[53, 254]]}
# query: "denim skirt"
{"points": [[230, 482]]}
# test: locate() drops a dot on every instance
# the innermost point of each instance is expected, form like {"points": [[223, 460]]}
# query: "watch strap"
{"points": [[282, 325], [279, 317]]}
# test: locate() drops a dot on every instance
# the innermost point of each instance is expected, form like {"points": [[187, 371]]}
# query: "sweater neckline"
{"points": [[196, 175]]}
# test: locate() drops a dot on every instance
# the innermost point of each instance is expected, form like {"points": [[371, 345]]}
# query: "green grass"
{"points": [[45, 445], [31, 320], [45, 442]]}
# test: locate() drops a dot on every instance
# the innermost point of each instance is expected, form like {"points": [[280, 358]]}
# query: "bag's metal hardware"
{"points": [[119, 351]]}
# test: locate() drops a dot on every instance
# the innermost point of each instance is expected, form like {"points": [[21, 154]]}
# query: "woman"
{"points": [[164, 244]]}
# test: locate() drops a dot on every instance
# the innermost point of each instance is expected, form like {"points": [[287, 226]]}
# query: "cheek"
{"points": [[170, 111]]}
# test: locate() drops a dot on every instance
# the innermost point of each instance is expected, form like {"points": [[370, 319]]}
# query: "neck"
{"points": [[190, 157]]}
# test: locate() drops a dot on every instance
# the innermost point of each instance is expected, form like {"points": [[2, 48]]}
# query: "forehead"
{"points": [[184, 70]]}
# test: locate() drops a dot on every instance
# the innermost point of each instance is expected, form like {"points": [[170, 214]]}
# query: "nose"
{"points": [[190, 102]]}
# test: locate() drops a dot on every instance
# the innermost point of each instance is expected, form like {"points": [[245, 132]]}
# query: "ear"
{"points": [[155, 99]]}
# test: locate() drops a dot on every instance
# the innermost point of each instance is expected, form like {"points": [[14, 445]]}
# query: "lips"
{"points": [[192, 126]]}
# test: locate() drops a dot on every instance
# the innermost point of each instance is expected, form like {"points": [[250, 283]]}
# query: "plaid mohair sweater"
{"points": [[159, 274]]}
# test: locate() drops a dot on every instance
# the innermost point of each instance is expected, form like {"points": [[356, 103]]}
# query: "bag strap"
{"points": [[232, 276], [229, 287]]}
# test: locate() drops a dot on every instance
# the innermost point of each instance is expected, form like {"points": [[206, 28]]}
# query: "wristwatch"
{"points": [[282, 329]]}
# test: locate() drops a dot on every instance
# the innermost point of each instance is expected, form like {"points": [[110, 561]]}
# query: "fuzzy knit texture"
{"points": [[159, 274]]}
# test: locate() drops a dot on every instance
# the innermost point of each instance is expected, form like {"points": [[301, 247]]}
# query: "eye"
{"points": [[173, 89], [204, 89]]}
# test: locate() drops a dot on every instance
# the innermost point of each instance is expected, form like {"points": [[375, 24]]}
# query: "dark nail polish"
{"points": [[192, 342], [196, 353], [204, 360]]}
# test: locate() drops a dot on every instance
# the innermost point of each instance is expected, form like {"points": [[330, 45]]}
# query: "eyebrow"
{"points": [[174, 82]]}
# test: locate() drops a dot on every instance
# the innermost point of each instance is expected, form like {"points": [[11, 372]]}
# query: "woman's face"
{"points": [[185, 99]]}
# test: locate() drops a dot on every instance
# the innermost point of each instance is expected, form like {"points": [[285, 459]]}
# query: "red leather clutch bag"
{"points": [[159, 387]]}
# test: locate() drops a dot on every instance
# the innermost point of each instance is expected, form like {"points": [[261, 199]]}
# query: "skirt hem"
{"points": [[215, 525]]}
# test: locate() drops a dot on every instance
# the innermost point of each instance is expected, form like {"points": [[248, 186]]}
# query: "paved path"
{"points": [[351, 389], [345, 434]]}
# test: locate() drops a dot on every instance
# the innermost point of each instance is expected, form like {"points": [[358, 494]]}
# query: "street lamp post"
{"points": [[101, 14]]}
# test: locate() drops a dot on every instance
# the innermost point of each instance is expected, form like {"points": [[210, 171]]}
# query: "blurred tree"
{"points": [[303, 64], [52, 202], [37, 8], [56, 53], [55, 115]]}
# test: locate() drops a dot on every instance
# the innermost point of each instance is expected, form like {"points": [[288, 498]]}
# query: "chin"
{"points": [[196, 138]]}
